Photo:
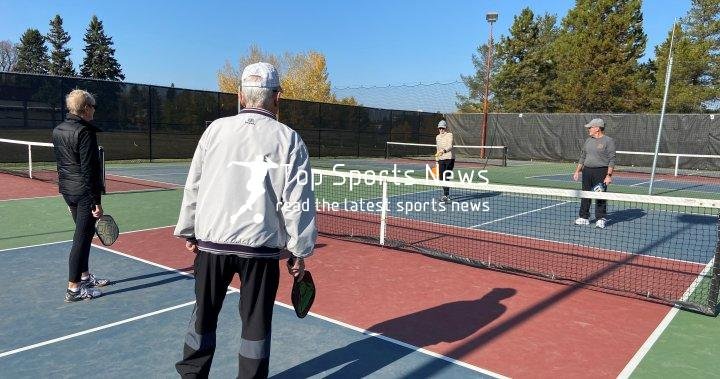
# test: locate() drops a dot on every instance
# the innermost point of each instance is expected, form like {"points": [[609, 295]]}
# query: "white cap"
{"points": [[442, 124], [269, 77]]}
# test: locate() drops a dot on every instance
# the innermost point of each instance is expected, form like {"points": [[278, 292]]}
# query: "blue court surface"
{"points": [[174, 174], [137, 328], [631, 228], [662, 184]]}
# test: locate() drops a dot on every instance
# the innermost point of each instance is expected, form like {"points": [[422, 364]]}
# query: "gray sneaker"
{"points": [[83, 293], [600, 223], [93, 281]]}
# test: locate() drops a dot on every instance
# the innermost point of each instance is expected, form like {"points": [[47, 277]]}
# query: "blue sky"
{"points": [[367, 43]]}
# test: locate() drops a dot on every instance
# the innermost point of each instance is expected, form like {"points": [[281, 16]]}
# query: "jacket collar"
{"points": [[259, 111], [80, 120]]}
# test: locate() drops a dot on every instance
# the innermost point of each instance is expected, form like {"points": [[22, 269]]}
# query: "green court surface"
{"points": [[35, 221], [688, 348]]}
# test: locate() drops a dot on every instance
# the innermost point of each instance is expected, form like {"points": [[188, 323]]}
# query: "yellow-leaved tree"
{"points": [[303, 76]]}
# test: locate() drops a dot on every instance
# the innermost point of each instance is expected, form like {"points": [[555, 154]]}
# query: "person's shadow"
{"points": [[445, 323], [625, 215]]}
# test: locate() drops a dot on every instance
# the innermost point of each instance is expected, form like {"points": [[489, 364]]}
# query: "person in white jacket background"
{"points": [[240, 208]]}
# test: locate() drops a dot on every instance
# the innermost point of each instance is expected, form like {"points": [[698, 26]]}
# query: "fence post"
{"points": [[319, 126], [149, 121]]}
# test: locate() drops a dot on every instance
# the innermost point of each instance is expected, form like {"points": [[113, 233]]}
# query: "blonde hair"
{"points": [[77, 100]]}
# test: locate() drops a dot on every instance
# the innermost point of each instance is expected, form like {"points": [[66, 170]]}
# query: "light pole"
{"points": [[491, 17]]}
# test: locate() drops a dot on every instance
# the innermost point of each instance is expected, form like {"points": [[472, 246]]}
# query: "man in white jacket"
{"points": [[241, 207]]}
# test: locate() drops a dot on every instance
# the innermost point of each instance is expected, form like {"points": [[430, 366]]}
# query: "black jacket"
{"points": [[78, 160]]}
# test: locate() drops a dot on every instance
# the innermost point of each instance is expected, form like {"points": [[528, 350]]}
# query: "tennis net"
{"points": [[663, 249], [34, 160], [492, 155]]}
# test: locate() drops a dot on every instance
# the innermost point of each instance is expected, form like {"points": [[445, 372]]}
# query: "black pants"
{"points": [[213, 274], [445, 166], [81, 210], [591, 176]]}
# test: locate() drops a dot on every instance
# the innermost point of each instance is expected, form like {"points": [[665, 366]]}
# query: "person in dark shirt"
{"points": [[80, 183], [597, 161]]}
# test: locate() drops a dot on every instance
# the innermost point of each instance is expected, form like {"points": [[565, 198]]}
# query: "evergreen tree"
{"points": [[691, 83], [99, 61], [702, 24], [473, 102], [32, 53], [60, 63], [597, 55], [524, 82]]}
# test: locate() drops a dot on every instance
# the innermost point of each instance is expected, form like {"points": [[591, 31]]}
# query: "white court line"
{"points": [[233, 289], [544, 177], [521, 214], [150, 175], [146, 180], [107, 194], [93, 330], [403, 344], [63, 241], [30, 198], [655, 335], [646, 182]]}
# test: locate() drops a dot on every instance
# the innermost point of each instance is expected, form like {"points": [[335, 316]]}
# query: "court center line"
{"points": [[521, 214]]}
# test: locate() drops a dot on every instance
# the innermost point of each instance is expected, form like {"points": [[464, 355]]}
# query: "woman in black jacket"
{"points": [[80, 183]]}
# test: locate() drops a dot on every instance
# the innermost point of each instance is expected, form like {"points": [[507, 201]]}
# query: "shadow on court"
{"points": [[625, 215], [152, 275], [175, 278], [445, 323]]}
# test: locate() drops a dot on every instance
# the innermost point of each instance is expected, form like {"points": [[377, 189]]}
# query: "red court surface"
{"points": [[16, 187], [509, 324]]}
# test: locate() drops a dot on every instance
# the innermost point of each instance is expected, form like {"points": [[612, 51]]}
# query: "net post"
{"points": [[715, 276], [387, 146], [505, 156], [101, 155], [30, 161], [383, 214], [677, 164]]}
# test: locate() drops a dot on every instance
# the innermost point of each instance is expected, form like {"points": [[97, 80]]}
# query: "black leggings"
{"points": [[445, 166], [81, 210]]}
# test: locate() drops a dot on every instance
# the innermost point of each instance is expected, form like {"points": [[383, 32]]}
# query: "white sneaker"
{"points": [[582, 221], [600, 223]]}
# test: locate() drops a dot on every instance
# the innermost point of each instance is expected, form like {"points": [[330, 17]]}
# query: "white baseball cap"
{"points": [[442, 124], [269, 77]]}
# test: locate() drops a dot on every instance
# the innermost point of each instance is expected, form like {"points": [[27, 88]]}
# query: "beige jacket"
{"points": [[445, 142]]}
